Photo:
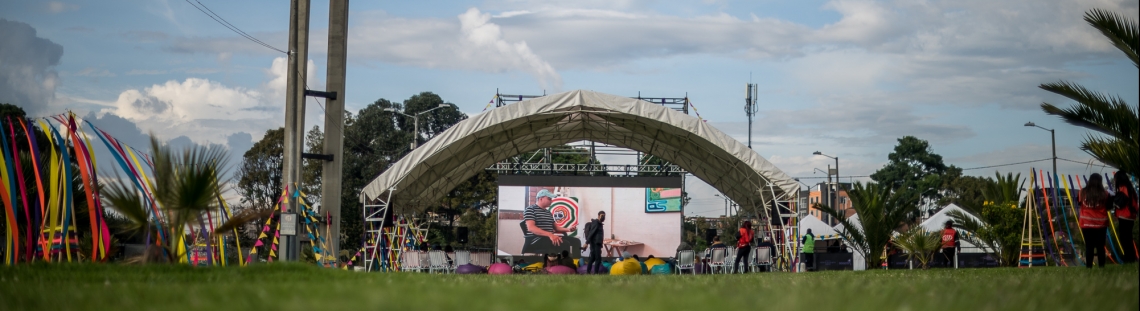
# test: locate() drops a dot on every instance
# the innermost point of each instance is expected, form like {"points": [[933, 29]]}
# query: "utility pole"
{"points": [[295, 114], [334, 121], [750, 109]]}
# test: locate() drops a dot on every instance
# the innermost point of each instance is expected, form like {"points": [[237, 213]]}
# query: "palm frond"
{"points": [[1117, 153], [1110, 115], [242, 219], [124, 199], [1122, 32]]}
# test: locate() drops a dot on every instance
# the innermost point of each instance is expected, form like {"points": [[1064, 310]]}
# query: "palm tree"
{"points": [[1109, 115], [919, 244], [185, 187], [880, 213], [996, 224]]}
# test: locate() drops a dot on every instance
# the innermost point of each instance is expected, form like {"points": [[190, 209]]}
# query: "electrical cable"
{"points": [[217, 18]]}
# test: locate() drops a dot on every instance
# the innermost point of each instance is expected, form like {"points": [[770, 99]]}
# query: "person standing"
{"points": [[595, 235], [949, 243], [1094, 219], [1126, 209], [743, 245], [808, 242]]}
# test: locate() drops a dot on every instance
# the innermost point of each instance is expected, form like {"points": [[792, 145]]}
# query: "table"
{"points": [[612, 245]]}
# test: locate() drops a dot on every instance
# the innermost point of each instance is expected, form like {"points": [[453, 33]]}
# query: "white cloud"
{"points": [[93, 72], [205, 110], [60, 7]]}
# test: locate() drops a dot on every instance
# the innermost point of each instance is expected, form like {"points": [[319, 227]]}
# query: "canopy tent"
{"points": [[937, 222], [857, 259], [470, 146], [820, 229]]}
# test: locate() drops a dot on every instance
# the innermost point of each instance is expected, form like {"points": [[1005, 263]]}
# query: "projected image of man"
{"points": [[542, 236]]}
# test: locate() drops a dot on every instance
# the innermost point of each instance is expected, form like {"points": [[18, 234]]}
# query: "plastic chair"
{"points": [[717, 261], [462, 258], [481, 259], [729, 260], [410, 262], [685, 261], [761, 257], [437, 261]]}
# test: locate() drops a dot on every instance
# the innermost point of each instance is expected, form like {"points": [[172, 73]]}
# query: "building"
{"points": [[821, 194]]}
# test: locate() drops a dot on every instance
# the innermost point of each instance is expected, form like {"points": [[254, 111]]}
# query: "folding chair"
{"points": [[437, 261], [717, 260], [685, 261], [762, 257], [729, 260], [462, 258], [410, 261], [482, 259]]}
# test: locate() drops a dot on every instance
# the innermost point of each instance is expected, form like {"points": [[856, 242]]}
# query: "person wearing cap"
{"points": [[542, 236]]}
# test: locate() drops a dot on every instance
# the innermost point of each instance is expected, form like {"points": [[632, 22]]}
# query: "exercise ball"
{"points": [[500, 268], [651, 262], [604, 270], [626, 267], [560, 270], [469, 269]]}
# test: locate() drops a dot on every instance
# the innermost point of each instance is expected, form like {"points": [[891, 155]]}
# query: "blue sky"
{"points": [[845, 77]]}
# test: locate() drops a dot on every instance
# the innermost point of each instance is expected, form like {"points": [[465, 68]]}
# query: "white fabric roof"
{"points": [[818, 228], [938, 221], [472, 145]]}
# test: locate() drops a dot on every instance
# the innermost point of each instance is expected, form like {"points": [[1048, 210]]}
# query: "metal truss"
{"points": [[584, 169]]}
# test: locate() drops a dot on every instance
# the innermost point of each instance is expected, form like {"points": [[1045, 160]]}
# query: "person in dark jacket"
{"points": [[1126, 206], [595, 235]]}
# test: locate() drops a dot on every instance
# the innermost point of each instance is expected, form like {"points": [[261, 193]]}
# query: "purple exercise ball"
{"points": [[560, 270], [582, 270], [469, 269], [500, 268]]}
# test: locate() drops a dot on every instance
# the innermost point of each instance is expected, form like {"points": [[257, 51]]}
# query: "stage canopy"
{"points": [[470, 146]]}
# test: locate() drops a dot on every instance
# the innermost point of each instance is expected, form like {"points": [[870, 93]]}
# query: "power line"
{"points": [[217, 18], [1007, 164], [1086, 163]]}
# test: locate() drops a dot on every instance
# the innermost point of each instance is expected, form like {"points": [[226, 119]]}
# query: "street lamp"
{"points": [[725, 203], [416, 121], [836, 176], [1053, 134]]}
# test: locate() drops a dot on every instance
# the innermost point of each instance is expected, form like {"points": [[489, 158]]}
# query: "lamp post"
{"points": [[836, 176], [725, 204], [1053, 135], [416, 121]]}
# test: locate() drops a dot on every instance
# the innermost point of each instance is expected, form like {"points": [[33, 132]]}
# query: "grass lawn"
{"points": [[295, 287]]}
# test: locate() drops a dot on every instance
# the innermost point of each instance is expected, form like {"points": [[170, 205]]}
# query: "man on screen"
{"points": [[542, 236]]}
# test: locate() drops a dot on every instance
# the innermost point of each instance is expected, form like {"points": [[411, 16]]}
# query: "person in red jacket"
{"points": [[1126, 208], [743, 245], [949, 243], [1094, 218]]}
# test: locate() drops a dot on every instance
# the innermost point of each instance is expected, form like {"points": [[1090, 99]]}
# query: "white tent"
{"points": [[470, 146], [857, 259], [937, 222], [820, 229]]}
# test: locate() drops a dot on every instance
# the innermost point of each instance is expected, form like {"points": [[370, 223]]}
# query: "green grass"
{"points": [[293, 287]]}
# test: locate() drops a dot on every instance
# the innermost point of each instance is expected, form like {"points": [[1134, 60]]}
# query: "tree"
{"points": [[962, 190], [432, 123], [1111, 116], [913, 173], [880, 213], [311, 168], [259, 177]]}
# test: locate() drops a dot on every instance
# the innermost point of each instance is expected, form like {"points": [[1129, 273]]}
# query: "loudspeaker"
{"points": [[709, 235], [461, 235]]}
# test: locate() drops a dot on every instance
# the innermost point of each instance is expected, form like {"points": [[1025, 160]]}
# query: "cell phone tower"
{"points": [[750, 109]]}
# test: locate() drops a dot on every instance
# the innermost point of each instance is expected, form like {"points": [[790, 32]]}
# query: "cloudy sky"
{"points": [[845, 77]]}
